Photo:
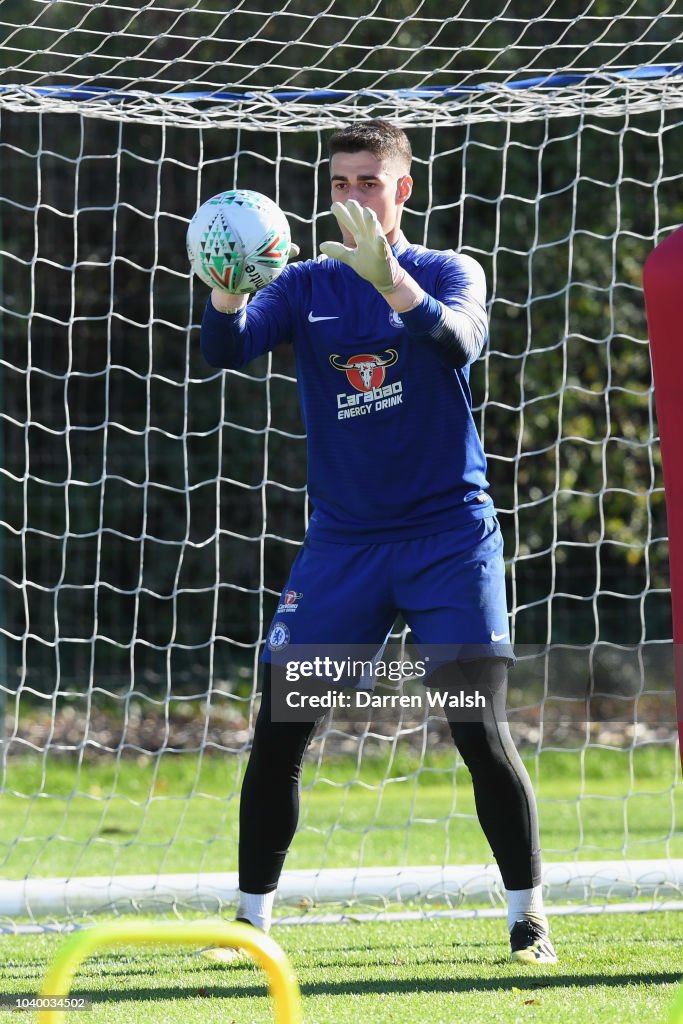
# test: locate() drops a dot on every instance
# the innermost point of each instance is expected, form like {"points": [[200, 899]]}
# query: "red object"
{"points": [[663, 284]]}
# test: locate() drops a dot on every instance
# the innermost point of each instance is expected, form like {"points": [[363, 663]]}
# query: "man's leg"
{"points": [[504, 799], [339, 596], [269, 807], [452, 594], [269, 814]]}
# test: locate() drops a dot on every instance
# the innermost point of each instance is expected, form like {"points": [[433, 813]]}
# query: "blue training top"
{"points": [[393, 450]]}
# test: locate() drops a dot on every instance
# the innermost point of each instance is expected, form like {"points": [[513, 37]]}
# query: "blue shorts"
{"points": [[449, 587]]}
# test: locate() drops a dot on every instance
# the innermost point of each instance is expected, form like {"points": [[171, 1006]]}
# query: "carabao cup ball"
{"points": [[238, 241]]}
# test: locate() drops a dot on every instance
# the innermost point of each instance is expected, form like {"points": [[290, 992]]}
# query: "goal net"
{"points": [[150, 506]]}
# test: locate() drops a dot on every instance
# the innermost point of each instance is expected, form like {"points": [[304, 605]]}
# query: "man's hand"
{"points": [[227, 302], [372, 258]]}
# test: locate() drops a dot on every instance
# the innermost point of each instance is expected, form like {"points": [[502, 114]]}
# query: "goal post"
{"points": [[150, 506]]}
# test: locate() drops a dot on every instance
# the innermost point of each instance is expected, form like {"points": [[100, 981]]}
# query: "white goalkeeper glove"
{"points": [[232, 302], [372, 258]]}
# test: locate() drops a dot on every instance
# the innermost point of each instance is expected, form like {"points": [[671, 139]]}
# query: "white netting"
{"points": [[150, 507], [295, 65]]}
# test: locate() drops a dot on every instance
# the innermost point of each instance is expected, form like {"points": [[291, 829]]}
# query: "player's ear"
{"points": [[404, 188]]}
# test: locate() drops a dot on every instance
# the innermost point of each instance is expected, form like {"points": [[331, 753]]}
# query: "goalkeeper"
{"points": [[403, 521]]}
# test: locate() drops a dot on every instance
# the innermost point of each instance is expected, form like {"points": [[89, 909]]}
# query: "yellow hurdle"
{"points": [[676, 1014], [282, 983]]}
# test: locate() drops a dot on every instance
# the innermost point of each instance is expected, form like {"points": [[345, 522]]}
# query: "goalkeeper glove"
{"points": [[372, 258]]}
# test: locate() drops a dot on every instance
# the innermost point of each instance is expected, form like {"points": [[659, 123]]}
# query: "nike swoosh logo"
{"points": [[497, 636], [314, 319]]}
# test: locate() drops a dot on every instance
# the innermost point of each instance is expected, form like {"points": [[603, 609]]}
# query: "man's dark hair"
{"points": [[381, 138]]}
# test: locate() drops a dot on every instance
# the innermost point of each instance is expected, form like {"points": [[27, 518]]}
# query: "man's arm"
{"points": [[232, 333], [455, 320]]}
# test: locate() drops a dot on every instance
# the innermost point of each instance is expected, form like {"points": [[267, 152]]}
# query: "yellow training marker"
{"points": [[676, 1014], [282, 983]]}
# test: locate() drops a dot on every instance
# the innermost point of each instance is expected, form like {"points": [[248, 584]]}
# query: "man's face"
{"points": [[378, 184]]}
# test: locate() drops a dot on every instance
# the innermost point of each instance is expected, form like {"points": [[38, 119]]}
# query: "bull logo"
{"points": [[365, 372]]}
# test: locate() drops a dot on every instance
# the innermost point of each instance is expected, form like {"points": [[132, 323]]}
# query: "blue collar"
{"points": [[400, 245]]}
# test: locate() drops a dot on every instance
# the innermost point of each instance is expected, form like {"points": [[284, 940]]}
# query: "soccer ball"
{"points": [[238, 241]]}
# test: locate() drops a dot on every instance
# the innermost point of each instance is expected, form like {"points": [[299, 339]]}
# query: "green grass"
{"points": [[613, 970], [179, 813]]}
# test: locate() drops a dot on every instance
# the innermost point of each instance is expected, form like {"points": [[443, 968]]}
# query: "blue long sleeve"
{"points": [[456, 322], [221, 337], [231, 340]]}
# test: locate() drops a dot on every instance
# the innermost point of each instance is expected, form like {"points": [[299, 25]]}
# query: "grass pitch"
{"points": [[612, 970], [180, 814]]}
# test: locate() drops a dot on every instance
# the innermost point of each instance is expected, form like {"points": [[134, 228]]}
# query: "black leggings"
{"points": [[505, 801]]}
